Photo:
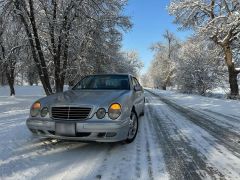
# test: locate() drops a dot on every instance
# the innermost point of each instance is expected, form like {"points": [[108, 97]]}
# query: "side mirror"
{"points": [[70, 87], [137, 88]]}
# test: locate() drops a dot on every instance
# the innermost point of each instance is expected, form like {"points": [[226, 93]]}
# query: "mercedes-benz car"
{"points": [[104, 108]]}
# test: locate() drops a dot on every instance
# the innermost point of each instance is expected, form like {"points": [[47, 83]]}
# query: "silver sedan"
{"points": [[102, 108]]}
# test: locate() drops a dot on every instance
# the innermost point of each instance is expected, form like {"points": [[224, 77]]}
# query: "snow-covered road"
{"points": [[174, 142], [195, 145]]}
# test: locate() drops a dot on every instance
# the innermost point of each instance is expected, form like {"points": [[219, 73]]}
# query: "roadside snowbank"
{"points": [[23, 91], [227, 107]]}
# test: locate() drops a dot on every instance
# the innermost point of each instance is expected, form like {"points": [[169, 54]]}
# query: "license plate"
{"points": [[65, 129]]}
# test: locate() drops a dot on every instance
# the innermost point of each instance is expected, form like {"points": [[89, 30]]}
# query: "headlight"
{"points": [[101, 113], [35, 109], [44, 112], [114, 111]]}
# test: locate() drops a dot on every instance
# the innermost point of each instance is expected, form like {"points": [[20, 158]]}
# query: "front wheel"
{"points": [[142, 113], [133, 128]]}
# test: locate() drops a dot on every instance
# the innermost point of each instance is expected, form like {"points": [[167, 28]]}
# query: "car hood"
{"points": [[86, 97]]}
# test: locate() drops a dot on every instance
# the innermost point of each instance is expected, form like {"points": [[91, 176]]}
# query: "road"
{"points": [[174, 142]]}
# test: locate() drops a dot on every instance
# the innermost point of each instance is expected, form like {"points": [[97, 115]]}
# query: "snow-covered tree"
{"points": [[146, 80], [69, 38], [128, 62], [198, 67], [12, 46], [163, 65], [219, 20], [121, 62]]}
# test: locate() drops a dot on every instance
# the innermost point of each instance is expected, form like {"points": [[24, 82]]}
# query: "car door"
{"points": [[138, 94]]}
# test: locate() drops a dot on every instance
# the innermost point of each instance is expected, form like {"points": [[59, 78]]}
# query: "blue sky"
{"points": [[150, 19]]}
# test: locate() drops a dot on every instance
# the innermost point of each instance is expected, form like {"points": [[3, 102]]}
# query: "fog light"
{"points": [[111, 134]]}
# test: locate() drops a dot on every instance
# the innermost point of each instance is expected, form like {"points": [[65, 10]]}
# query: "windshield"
{"points": [[108, 82]]}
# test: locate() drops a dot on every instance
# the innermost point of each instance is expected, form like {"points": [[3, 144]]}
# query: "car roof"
{"points": [[121, 74]]}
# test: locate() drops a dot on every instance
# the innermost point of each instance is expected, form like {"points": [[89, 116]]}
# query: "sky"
{"points": [[150, 20]]}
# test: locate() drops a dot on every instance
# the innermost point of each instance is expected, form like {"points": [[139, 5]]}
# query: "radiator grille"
{"points": [[70, 113]]}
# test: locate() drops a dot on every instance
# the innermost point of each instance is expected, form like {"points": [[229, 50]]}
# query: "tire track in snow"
{"points": [[120, 162], [176, 167], [225, 137], [141, 159], [182, 161], [161, 167], [15, 112], [152, 165], [224, 115], [12, 121], [138, 153], [228, 121], [92, 163], [104, 163], [139, 150], [148, 153]]}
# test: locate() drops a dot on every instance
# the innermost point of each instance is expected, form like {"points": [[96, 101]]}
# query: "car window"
{"points": [[107, 82], [136, 82]]}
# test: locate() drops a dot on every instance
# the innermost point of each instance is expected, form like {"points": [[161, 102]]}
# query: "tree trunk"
{"points": [[167, 81], [164, 87], [231, 70], [233, 81], [60, 72], [10, 79], [2, 77], [9, 69], [46, 83], [59, 87], [2, 67], [65, 59], [37, 53], [12, 90], [22, 78], [56, 49]]}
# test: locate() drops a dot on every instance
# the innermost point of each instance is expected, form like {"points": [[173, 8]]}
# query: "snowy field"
{"points": [[180, 137]]}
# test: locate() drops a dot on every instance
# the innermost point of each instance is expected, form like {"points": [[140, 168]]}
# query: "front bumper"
{"points": [[89, 130]]}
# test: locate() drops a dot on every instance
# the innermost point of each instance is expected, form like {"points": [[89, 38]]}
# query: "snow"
{"points": [[196, 102], [213, 106], [24, 156], [218, 157], [169, 144], [23, 91]]}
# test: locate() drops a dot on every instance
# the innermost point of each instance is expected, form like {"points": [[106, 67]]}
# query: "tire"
{"points": [[142, 113], [134, 131]]}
